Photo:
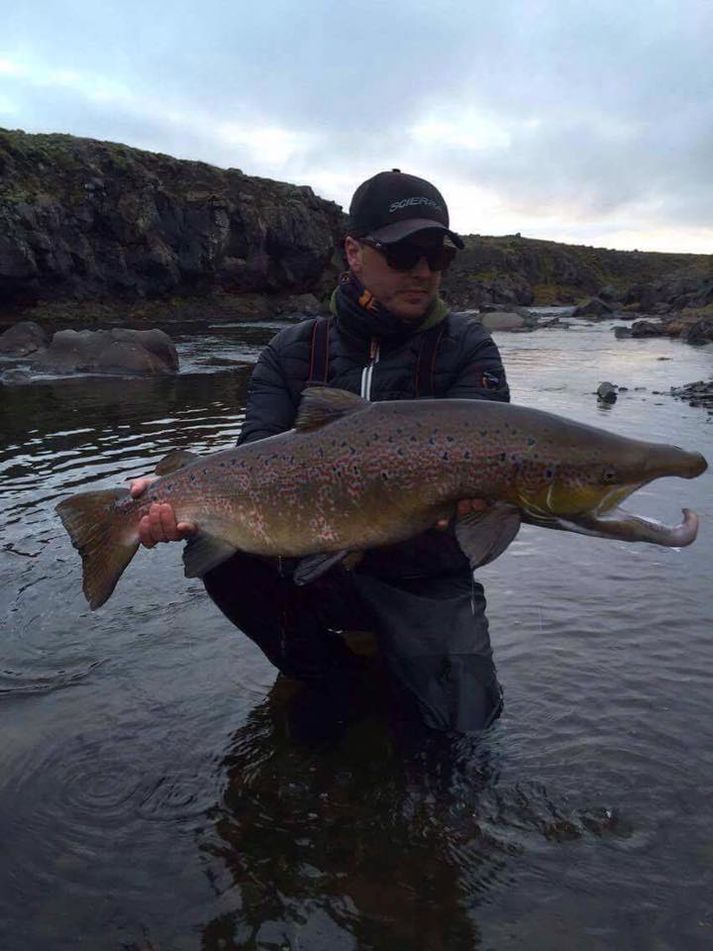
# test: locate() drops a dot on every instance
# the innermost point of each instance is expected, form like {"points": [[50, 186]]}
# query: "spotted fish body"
{"points": [[356, 475]]}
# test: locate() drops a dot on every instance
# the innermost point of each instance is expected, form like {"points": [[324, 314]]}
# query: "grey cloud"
{"points": [[609, 107]]}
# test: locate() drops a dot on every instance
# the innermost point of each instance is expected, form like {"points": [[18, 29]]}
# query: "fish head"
{"points": [[597, 480]]}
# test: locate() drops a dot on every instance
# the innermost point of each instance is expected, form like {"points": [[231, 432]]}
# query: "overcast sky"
{"points": [[587, 122]]}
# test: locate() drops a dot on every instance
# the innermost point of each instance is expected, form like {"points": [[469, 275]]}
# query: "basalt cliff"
{"points": [[89, 221], [93, 230]]}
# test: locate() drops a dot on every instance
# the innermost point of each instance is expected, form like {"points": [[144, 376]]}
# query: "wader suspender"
{"points": [[319, 353], [425, 362]]}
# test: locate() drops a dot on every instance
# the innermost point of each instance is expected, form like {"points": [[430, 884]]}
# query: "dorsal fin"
{"points": [[322, 405], [175, 460]]}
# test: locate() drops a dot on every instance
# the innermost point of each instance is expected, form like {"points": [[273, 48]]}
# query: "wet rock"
{"points": [[302, 305], [699, 393], [503, 320], [607, 392], [557, 322], [622, 332], [699, 332], [117, 351], [23, 338], [221, 362], [594, 309], [15, 375], [649, 328]]}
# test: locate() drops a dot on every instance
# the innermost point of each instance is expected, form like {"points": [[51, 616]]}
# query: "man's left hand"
{"points": [[464, 507]]}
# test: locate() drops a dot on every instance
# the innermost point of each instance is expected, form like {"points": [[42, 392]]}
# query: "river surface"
{"points": [[158, 791]]}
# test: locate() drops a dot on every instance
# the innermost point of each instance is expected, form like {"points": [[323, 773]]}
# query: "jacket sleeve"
{"points": [[270, 407], [480, 374]]}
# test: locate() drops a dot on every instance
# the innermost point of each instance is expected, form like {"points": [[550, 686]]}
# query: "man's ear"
{"points": [[352, 252]]}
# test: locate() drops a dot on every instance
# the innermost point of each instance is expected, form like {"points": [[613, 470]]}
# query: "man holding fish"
{"points": [[390, 337], [322, 475]]}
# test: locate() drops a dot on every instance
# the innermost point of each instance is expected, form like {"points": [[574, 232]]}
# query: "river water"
{"points": [[158, 791]]}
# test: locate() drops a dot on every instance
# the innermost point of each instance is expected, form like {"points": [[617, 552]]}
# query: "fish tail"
{"points": [[105, 538]]}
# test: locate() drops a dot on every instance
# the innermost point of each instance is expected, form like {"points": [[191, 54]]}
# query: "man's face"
{"points": [[407, 294]]}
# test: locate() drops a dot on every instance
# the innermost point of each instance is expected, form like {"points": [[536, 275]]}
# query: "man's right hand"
{"points": [[160, 524]]}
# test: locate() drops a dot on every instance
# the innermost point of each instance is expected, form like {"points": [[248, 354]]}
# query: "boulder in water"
{"points": [[607, 392], [23, 338], [116, 351]]}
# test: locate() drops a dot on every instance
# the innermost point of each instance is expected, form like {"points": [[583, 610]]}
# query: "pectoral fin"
{"points": [[314, 566], [485, 535], [203, 552]]}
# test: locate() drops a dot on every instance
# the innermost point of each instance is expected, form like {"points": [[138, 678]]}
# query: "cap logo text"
{"points": [[415, 200]]}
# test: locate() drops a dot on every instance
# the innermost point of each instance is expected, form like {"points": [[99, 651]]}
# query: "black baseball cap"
{"points": [[392, 205]]}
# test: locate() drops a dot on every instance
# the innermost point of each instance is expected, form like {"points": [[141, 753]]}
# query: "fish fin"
{"points": [[178, 459], [322, 405], [484, 536], [202, 552], [100, 538], [314, 566]]}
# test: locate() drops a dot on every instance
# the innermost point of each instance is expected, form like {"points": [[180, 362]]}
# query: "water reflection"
{"points": [[331, 840], [343, 825]]}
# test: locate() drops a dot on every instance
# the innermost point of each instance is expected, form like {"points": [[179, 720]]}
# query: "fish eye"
{"points": [[609, 475]]}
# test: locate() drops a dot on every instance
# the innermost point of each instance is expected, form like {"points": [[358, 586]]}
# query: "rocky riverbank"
{"points": [[99, 234], [89, 226]]}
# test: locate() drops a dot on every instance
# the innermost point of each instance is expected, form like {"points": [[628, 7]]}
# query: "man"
{"points": [[390, 337]]}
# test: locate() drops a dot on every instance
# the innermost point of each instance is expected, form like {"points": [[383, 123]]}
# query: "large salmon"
{"points": [[354, 475]]}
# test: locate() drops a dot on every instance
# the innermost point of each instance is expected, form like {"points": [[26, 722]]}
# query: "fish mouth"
{"points": [[620, 524]]}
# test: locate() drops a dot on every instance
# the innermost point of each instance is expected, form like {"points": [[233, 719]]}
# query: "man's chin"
{"points": [[411, 307]]}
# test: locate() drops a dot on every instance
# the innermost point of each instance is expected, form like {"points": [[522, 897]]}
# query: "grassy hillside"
{"points": [[560, 273]]}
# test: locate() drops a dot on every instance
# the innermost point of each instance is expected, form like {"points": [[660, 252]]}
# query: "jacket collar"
{"points": [[360, 315]]}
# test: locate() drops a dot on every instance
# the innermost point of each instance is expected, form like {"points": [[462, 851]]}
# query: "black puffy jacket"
{"points": [[465, 364]]}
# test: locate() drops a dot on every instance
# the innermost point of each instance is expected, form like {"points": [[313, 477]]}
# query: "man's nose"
{"points": [[421, 268]]}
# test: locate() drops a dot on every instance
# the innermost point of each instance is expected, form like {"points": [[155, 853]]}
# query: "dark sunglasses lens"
{"points": [[404, 257], [444, 259]]}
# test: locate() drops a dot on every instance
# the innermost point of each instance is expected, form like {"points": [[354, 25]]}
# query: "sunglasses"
{"points": [[403, 256]]}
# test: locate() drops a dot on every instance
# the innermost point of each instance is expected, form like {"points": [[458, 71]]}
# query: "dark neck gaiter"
{"points": [[361, 315]]}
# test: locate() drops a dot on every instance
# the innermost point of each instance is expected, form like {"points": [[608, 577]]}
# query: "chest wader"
{"points": [[431, 629]]}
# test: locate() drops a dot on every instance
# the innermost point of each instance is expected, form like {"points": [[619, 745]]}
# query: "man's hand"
{"points": [[464, 507], [160, 524]]}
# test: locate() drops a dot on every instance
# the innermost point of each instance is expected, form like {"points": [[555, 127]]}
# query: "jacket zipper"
{"points": [[368, 372]]}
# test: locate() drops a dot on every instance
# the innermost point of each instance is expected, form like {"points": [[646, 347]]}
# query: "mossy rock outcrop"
{"points": [[82, 219]]}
